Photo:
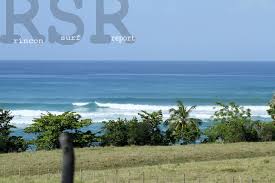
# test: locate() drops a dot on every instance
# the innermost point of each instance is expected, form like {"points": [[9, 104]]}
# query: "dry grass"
{"points": [[201, 163], [258, 170]]}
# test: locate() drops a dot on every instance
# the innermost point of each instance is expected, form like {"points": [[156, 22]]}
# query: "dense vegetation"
{"points": [[152, 130], [123, 132], [231, 123], [271, 111], [9, 143], [49, 127]]}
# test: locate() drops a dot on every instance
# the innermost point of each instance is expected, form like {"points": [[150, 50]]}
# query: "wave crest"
{"points": [[80, 104], [110, 111], [132, 106]]}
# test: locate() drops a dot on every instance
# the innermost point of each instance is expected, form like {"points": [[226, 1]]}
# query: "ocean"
{"points": [[104, 90]]}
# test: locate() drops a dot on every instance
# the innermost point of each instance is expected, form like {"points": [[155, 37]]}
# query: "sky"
{"points": [[184, 30]]}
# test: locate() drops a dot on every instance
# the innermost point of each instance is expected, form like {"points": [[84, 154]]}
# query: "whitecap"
{"points": [[111, 111], [80, 104]]}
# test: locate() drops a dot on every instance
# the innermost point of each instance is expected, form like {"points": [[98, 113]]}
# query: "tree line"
{"points": [[231, 123]]}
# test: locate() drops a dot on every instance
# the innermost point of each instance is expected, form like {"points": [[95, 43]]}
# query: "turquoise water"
{"points": [[108, 90]]}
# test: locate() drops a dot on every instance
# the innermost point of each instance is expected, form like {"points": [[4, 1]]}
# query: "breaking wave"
{"points": [[80, 104], [108, 111]]}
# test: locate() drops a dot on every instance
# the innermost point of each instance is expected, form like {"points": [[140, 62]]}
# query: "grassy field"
{"points": [[240, 162]]}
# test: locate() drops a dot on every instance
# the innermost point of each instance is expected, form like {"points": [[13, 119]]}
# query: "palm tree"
{"points": [[183, 127], [154, 118]]}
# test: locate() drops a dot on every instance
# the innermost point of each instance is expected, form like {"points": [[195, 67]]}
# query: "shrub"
{"points": [[49, 126], [123, 132], [266, 131], [271, 110], [232, 123], [115, 132], [138, 133], [150, 125]]}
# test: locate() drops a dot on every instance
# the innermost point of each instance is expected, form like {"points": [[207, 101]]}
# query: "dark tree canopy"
{"points": [[9, 143], [146, 131]]}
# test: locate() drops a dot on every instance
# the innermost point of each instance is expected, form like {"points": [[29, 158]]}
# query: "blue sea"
{"points": [[104, 90]]}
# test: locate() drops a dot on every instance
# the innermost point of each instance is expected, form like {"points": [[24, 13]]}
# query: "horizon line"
{"points": [[122, 60]]}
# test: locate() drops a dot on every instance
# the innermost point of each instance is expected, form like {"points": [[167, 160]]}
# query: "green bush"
{"points": [[150, 126], [266, 131], [138, 133], [271, 110], [49, 126], [232, 123], [124, 132], [115, 132], [83, 139], [9, 143]]}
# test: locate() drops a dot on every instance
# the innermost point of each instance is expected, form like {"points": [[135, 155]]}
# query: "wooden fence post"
{"points": [[80, 176], [4, 171], [117, 177], [143, 177], [184, 178], [68, 166]]}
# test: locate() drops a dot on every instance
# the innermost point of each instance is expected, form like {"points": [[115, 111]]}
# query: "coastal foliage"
{"points": [[9, 143], [183, 128], [115, 132], [139, 133], [49, 126], [152, 122], [232, 123], [123, 132], [265, 131], [271, 110]]}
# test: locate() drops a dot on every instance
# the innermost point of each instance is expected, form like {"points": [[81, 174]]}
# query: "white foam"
{"points": [[133, 106], [202, 112], [27, 116], [80, 104], [31, 113], [110, 111]]}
